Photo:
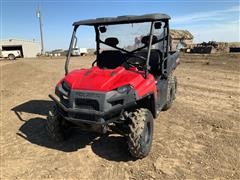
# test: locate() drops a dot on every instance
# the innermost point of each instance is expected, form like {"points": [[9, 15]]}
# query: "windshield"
{"points": [[128, 39], [129, 36]]}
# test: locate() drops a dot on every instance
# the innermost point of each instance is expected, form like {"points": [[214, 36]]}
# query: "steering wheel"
{"points": [[136, 60]]}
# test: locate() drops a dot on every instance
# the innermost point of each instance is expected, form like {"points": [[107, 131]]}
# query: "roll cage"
{"points": [[153, 18]]}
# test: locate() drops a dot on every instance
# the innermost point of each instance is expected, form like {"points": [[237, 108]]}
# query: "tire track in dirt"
{"points": [[198, 138]]}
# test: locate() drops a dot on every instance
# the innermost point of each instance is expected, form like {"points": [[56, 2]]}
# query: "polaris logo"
{"points": [[87, 96]]}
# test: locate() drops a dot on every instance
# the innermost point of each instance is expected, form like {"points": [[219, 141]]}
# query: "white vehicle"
{"points": [[11, 55], [79, 51]]}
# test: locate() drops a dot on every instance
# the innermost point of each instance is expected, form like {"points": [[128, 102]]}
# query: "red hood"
{"points": [[96, 79]]}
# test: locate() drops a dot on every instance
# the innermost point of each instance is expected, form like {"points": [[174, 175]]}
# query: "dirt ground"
{"points": [[198, 138]]}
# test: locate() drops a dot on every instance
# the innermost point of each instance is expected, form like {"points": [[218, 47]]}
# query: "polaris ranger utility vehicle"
{"points": [[129, 83]]}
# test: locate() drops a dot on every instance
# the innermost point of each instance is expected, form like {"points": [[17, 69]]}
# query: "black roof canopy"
{"points": [[123, 19]]}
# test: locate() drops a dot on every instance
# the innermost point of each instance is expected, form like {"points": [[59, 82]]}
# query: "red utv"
{"points": [[129, 83]]}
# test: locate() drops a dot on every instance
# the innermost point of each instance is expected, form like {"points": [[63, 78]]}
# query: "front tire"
{"points": [[55, 125], [11, 57], [141, 133]]}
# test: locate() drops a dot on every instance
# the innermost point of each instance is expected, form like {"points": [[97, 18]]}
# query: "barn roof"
{"points": [[179, 34]]}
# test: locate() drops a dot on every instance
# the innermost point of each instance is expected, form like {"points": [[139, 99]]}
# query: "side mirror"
{"points": [[157, 25], [181, 45], [102, 29]]}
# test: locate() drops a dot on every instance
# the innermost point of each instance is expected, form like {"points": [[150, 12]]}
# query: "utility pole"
{"points": [[41, 33]]}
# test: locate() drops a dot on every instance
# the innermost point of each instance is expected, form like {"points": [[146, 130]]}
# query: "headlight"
{"points": [[124, 89], [65, 86]]}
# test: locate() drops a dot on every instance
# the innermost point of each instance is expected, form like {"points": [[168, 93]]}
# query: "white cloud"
{"points": [[225, 32], [228, 35], [207, 16], [220, 25]]}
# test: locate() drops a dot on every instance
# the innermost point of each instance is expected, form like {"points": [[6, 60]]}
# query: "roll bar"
{"points": [[146, 68]]}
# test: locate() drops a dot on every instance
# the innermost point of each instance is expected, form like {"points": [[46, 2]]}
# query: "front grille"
{"points": [[89, 104]]}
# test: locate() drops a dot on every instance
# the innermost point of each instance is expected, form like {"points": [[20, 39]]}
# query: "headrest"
{"points": [[112, 41], [145, 39]]}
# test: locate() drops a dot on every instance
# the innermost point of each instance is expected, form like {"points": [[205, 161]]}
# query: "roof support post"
{"points": [[70, 49], [149, 50], [97, 40]]}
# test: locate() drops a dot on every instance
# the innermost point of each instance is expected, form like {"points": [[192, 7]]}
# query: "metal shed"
{"points": [[28, 48]]}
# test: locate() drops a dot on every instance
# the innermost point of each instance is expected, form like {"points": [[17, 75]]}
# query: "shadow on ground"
{"points": [[110, 147], [40, 107]]}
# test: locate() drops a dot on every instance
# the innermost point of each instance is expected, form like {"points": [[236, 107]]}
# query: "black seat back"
{"points": [[110, 59], [154, 61], [146, 39]]}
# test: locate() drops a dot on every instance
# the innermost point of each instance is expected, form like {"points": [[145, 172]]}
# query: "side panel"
{"points": [[172, 62], [162, 93]]}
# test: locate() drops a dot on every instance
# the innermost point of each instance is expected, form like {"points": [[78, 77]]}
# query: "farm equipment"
{"points": [[126, 87], [205, 47]]}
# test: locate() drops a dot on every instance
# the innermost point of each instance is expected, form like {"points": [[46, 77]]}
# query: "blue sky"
{"points": [[206, 19]]}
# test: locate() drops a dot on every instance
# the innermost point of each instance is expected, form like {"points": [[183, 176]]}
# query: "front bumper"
{"points": [[84, 107]]}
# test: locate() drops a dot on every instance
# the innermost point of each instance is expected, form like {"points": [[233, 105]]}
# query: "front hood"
{"points": [[96, 79]]}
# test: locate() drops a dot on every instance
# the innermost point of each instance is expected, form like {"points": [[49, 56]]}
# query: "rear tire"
{"points": [[171, 92], [141, 133], [55, 125], [11, 57]]}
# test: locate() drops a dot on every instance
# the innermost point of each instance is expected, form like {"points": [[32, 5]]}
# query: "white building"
{"points": [[28, 48]]}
